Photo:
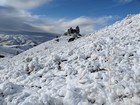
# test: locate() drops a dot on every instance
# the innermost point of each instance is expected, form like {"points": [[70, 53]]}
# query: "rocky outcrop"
{"points": [[75, 33]]}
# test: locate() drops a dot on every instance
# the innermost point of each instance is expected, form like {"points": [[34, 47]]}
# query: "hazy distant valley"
{"points": [[11, 45]]}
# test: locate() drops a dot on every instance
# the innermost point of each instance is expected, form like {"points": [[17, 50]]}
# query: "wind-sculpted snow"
{"points": [[99, 69]]}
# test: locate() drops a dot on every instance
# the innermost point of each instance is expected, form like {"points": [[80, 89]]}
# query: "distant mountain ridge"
{"points": [[11, 45]]}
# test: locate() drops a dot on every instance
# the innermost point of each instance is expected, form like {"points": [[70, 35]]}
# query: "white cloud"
{"points": [[13, 20], [123, 1], [78, 21], [86, 24], [23, 4], [15, 17]]}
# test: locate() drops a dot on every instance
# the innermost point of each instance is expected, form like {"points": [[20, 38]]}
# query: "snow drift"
{"points": [[102, 68]]}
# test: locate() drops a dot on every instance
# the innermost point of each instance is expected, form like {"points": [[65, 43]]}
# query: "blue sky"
{"points": [[56, 16], [91, 8]]}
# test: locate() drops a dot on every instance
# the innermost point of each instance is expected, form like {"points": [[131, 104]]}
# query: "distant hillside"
{"points": [[11, 45]]}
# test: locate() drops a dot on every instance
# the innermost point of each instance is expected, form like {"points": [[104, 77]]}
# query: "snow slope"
{"points": [[99, 69]]}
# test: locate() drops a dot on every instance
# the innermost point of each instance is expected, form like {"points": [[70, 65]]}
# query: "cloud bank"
{"points": [[23, 4], [86, 24], [15, 18]]}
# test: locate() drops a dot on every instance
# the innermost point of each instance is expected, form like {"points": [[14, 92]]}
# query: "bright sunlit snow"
{"points": [[102, 68]]}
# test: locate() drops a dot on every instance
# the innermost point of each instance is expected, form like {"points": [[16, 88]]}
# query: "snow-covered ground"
{"points": [[102, 68]]}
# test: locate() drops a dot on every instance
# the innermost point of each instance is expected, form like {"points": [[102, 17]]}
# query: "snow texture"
{"points": [[102, 68]]}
